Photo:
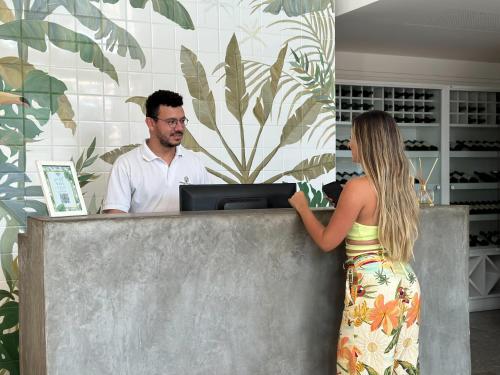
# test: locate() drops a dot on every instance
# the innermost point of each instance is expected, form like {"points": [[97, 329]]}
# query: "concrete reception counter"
{"points": [[234, 292]]}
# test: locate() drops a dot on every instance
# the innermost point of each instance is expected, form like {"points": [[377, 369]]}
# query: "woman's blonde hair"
{"points": [[380, 151]]}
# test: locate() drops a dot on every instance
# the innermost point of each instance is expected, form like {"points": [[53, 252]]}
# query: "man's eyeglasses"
{"points": [[172, 122]]}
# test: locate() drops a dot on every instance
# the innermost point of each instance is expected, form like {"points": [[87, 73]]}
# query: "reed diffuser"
{"points": [[425, 196]]}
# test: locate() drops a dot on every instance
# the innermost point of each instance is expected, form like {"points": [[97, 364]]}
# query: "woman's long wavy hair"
{"points": [[382, 157]]}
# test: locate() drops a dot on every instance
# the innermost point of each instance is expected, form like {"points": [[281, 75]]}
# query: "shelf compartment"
{"points": [[484, 217], [474, 154], [475, 126], [475, 186], [484, 250]]}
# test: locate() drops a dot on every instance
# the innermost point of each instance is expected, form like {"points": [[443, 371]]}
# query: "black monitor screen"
{"points": [[235, 197]]}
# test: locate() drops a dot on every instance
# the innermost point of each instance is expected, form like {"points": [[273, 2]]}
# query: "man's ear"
{"points": [[150, 123]]}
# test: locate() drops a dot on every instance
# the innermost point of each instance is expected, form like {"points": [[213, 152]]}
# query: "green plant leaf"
{"points": [[91, 17], [6, 14], [297, 125], [65, 113], [394, 341], [140, 101], [203, 101], [37, 83], [10, 313], [33, 34], [171, 9], [196, 79], [370, 370], [264, 103], [236, 92], [111, 156], [91, 148], [9, 352], [7, 242], [13, 70], [189, 142], [292, 8], [408, 367], [307, 169], [114, 35], [224, 178], [388, 371]]}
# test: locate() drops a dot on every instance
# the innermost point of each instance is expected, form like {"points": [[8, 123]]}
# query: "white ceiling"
{"points": [[449, 29]]}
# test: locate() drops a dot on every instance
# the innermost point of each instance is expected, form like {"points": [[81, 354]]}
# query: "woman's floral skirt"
{"points": [[379, 330]]}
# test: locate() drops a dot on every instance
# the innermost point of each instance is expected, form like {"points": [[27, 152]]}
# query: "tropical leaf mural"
{"points": [[171, 9], [237, 101], [30, 98], [312, 65]]}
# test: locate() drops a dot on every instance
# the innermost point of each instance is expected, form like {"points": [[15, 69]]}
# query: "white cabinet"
{"points": [[475, 180]]}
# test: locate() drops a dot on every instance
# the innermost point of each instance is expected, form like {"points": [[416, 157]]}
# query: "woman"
{"points": [[378, 216]]}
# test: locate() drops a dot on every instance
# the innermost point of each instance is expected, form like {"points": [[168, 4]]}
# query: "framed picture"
{"points": [[61, 188]]}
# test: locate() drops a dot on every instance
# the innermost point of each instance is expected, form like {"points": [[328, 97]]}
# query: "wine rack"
{"points": [[474, 109], [417, 111], [475, 180], [408, 105]]}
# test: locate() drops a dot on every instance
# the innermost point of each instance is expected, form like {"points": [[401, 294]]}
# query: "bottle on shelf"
{"points": [[356, 92], [367, 93]]}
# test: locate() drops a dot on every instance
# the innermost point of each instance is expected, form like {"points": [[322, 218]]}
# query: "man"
{"points": [[147, 178]]}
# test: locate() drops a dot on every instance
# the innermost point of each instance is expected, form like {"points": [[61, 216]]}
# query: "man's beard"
{"points": [[166, 143]]}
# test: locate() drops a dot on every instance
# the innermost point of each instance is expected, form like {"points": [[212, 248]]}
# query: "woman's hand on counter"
{"points": [[299, 201]]}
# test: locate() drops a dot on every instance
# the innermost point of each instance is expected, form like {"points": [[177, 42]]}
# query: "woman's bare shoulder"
{"points": [[356, 183]]}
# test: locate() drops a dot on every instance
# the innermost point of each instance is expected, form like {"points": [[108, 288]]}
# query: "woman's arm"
{"points": [[347, 210]]}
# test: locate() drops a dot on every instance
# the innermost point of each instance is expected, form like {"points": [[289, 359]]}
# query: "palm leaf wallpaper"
{"points": [[257, 78]]}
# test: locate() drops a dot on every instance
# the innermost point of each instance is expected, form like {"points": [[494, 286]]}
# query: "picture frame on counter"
{"points": [[61, 189]]}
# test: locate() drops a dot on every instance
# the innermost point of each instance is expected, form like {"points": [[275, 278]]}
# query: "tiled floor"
{"points": [[485, 342]]}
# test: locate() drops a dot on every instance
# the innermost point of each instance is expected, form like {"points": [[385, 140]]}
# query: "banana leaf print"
{"points": [[312, 65], [171, 9], [61, 37], [291, 8], [237, 103]]}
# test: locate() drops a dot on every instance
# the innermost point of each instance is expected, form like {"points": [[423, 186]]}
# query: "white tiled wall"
{"points": [[99, 103]]}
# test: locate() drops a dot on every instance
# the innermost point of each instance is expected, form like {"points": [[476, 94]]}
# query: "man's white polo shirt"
{"points": [[140, 181]]}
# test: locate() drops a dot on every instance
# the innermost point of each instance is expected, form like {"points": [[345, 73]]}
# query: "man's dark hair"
{"points": [[161, 97]]}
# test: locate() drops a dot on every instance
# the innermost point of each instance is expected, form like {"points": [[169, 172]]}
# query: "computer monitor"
{"points": [[235, 197]]}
